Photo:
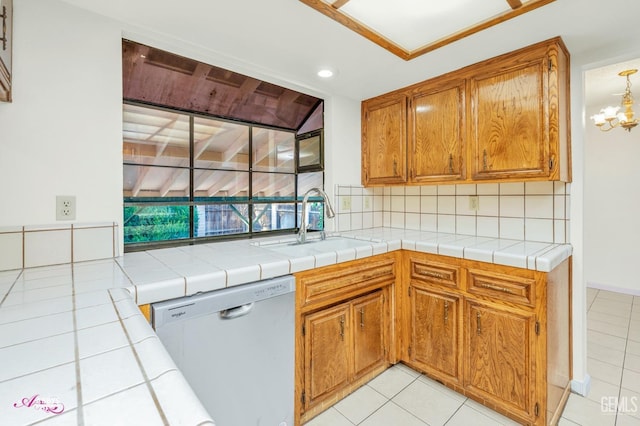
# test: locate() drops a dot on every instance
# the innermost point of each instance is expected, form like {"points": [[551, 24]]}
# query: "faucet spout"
{"points": [[301, 238]]}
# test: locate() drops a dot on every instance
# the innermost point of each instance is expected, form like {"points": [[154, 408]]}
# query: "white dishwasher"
{"points": [[235, 347]]}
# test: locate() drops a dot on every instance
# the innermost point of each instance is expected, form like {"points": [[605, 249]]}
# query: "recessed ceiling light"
{"points": [[325, 73]]}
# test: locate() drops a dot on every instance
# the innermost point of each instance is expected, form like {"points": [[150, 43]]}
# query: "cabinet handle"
{"points": [[342, 327], [395, 167], [484, 159], [478, 325], [497, 288], [450, 164], [361, 317], [446, 311], [4, 27]]}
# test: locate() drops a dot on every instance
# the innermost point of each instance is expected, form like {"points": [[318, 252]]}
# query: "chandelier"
{"points": [[609, 117]]}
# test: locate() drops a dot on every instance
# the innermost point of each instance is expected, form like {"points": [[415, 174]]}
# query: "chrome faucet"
{"points": [[301, 238]]}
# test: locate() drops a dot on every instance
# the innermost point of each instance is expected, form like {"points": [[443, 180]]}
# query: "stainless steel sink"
{"points": [[313, 246]]}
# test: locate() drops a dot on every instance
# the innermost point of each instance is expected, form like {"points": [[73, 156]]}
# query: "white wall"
{"points": [[62, 133], [612, 209]]}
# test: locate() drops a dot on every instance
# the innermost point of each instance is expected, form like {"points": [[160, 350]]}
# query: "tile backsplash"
{"points": [[42, 245], [533, 211]]}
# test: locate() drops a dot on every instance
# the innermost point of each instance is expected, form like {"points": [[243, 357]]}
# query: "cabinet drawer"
{"points": [[507, 288], [339, 281], [434, 272]]}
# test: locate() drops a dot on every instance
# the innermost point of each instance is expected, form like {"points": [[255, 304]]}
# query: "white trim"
{"points": [[606, 287], [581, 387]]}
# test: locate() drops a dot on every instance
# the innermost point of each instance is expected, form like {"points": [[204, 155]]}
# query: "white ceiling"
{"points": [[287, 41]]}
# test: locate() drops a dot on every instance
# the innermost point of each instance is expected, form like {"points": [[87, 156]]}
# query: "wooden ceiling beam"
{"points": [[382, 41], [339, 3], [514, 4]]}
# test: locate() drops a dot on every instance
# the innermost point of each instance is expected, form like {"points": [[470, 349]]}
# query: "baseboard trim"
{"points": [[624, 290], [581, 387]]}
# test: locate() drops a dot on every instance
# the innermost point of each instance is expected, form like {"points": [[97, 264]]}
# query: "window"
{"points": [[189, 177]]}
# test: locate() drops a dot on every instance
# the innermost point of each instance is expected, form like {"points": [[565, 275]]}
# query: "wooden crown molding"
{"points": [[333, 12]]}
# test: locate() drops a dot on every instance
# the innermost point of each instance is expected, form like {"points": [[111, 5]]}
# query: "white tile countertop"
{"points": [[75, 349]]}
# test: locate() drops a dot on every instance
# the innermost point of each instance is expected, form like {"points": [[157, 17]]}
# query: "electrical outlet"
{"points": [[367, 203], [345, 203], [65, 207], [474, 203]]}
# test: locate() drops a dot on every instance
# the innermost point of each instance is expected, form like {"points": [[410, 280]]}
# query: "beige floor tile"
{"points": [[410, 371], [490, 413], [607, 328], [585, 412], [606, 372], [360, 404], [601, 389], [627, 420], [442, 388], [633, 347], [615, 296], [566, 422], [629, 403], [634, 331], [466, 416], [392, 381], [631, 381], [611, 307], [426, 403], [609, 319], [632, 362], [605, 354], [392, 414], [331, 417], [613, 342]]}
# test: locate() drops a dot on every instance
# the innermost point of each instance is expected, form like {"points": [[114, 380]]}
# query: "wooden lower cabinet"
{"points": [[497, 334], [344, 332], [435, 332], [499, 365], [326, 352]]}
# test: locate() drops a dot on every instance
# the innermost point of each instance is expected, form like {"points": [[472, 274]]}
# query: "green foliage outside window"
{"points": [[156, 223]]}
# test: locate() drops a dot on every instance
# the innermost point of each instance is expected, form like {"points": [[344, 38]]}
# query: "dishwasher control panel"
{"points": [[222, 300]]}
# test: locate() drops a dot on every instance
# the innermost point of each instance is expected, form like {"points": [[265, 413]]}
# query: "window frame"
{"points": [[251, 201]]}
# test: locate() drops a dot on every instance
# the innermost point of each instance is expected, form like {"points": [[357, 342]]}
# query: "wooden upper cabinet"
{"points": [[514, 117], [437, 132], [503, 119], [384, 129]]}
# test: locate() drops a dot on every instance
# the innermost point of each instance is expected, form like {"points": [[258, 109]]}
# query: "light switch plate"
{"points": [[345, 203], [474, 203]]}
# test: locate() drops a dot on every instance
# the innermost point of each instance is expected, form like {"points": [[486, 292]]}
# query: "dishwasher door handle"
{"points": [[237, 312]]}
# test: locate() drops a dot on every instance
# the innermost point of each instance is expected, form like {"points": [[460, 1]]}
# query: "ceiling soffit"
{"points": [[157, 77], [411, 28]]}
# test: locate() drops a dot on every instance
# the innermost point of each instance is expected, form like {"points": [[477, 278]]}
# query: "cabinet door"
{"points": [[369, 333], [499, 364], [437, 129], [509, 122], [326, 352], [384, 138], [434, 335]]}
